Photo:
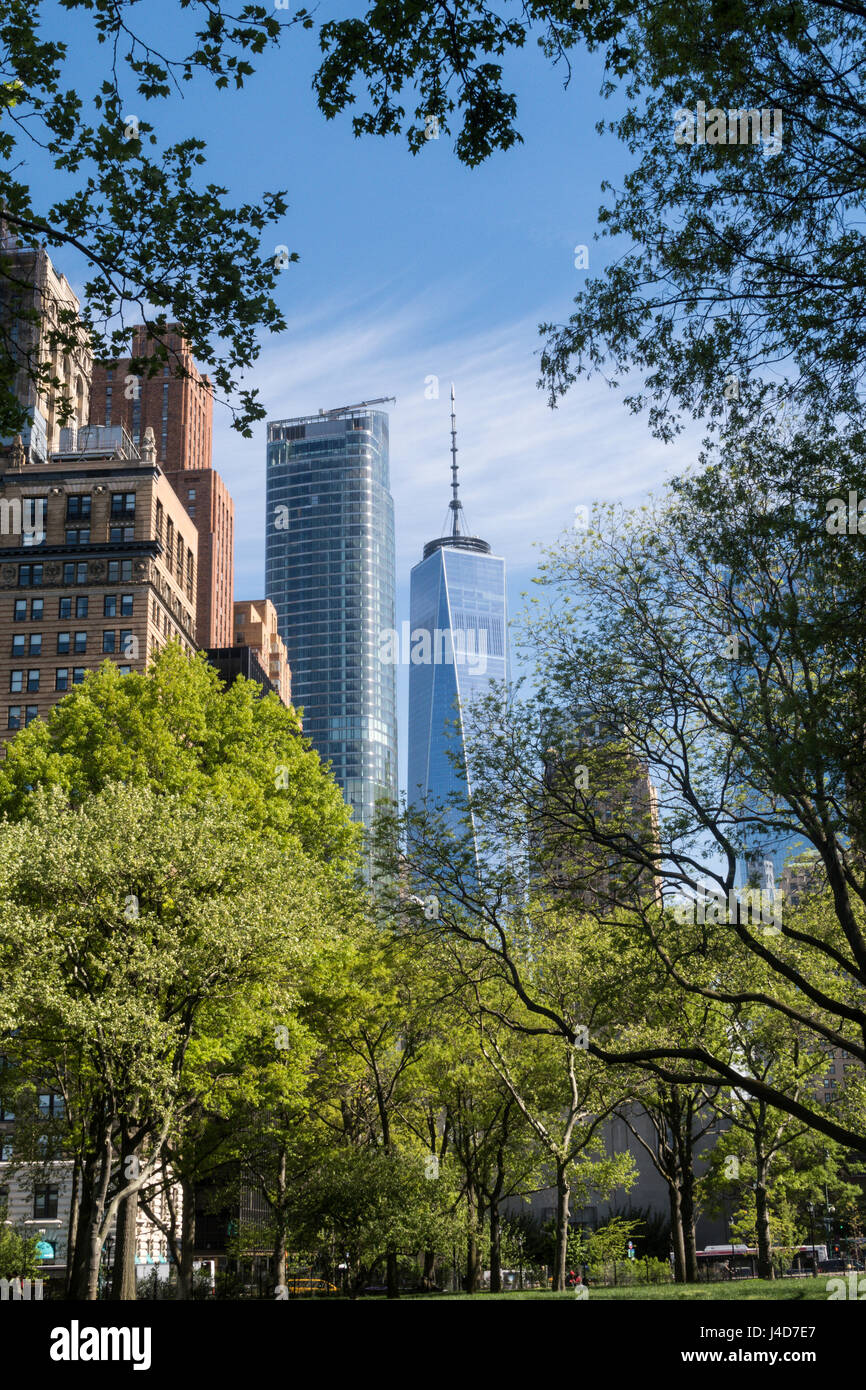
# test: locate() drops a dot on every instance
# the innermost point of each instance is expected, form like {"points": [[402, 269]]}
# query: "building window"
{"points": [[18, 645], [124, 670], [50, 1104], [29, 576], [32, 680], [37, 608], [6, 1151], [35, 644], [20, 610], [77, 675], [74, 572], [30, 714], [127, 602], [109, 606], [14, 719], [108, 641], [81, 641], [79, 536], [191, 511], [121, 533], [63, 641], [123, 504], [119, 570], [190, 492], [61, 678], [45, 1202], [126, 641], [78, 508], [16, 681], [65, 608], [81, 606]]}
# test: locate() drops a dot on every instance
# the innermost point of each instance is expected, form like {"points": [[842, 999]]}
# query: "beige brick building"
{"points": [[103, 566], [256, 627], [30, 284]]}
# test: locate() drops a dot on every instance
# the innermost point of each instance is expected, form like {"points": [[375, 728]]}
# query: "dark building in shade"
{"points": [[232, 662]]}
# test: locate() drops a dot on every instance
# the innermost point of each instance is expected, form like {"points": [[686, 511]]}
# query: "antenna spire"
{"points": [[455, 504]]}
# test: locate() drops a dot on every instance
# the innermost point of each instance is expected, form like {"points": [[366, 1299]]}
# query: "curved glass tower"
{"points": [[459, 637], [330, 573]]}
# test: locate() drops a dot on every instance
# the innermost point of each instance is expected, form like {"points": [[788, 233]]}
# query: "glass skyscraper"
{"points": [[330, 573], [458, 599]]}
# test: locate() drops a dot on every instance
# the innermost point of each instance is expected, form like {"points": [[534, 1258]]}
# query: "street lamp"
{"points": [[810, 1207]]}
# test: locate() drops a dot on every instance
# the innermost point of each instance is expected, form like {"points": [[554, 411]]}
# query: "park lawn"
{"points": [[740, 1290]]}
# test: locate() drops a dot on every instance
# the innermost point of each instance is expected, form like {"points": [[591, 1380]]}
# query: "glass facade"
{"points": [[767, 855], [457, 597], [330, 572]]}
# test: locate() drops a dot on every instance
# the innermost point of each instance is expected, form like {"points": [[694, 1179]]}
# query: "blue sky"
{"points": [[411, 267]]}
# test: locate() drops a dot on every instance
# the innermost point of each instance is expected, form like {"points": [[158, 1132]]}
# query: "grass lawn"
{"points": [[739, 1290]]}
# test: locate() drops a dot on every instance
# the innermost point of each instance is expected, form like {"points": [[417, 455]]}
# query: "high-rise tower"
{"points": [[458, 599], [330, 573]]}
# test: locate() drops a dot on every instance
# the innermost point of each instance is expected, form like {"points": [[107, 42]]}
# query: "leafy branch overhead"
{"points": [[159, 244]]}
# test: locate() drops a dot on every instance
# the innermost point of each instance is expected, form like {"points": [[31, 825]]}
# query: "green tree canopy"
{"points": [[177, 729]]}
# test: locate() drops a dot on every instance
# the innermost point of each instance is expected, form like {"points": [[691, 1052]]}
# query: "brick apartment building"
{"points": [[177, 404], [178, 408], [208, 503], [108, 572]]}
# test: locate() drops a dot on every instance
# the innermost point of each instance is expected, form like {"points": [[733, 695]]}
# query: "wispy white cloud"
{"points": [[523, 466]]}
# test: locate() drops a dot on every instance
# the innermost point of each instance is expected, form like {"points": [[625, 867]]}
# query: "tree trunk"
{"points": [[94, 1257], [78, 1252], [72, 1224], [687, 1217], [428, 1278], [278, 1254], [392, 1274], [762, 1216], [123, 1285], [473, 1258], [495, 1248], [562, 1215], [187, 1241], [677, 1234]]}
